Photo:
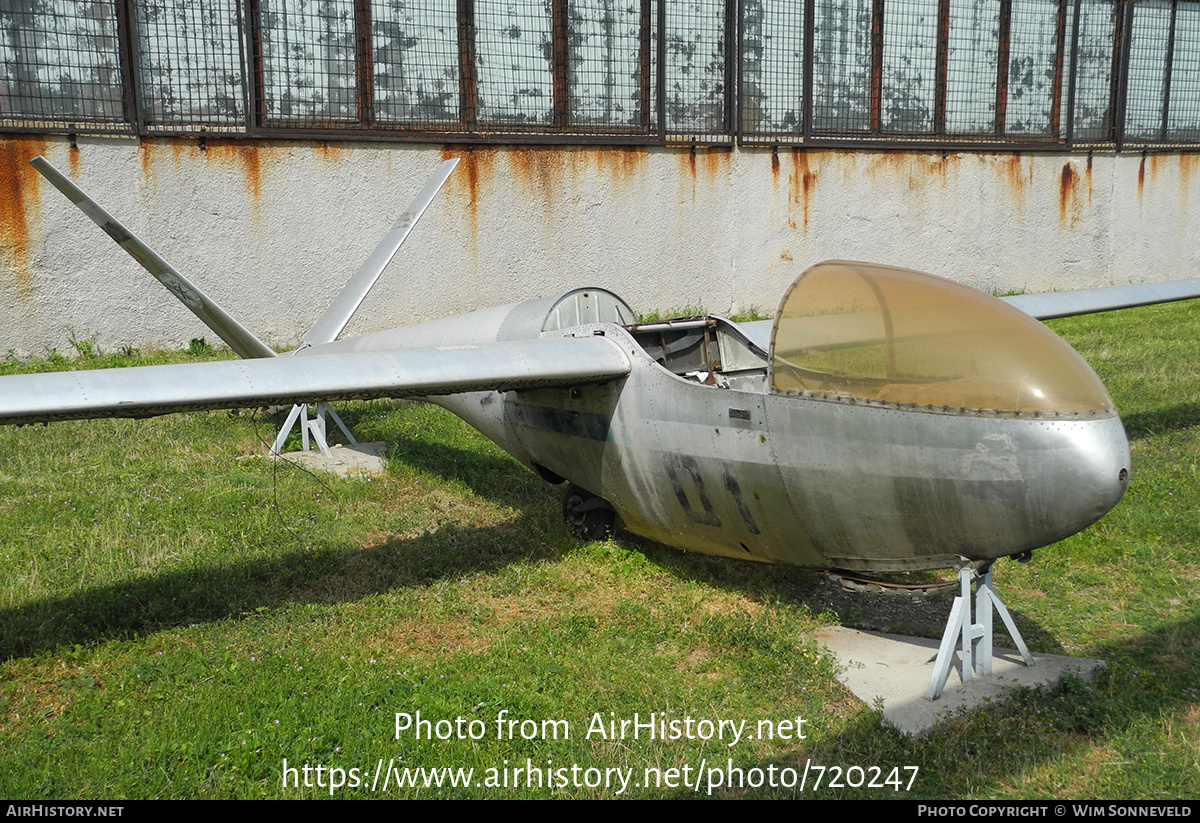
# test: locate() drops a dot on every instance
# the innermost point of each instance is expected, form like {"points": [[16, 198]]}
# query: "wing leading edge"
{"points": [[146, 391], [1087, 301]]}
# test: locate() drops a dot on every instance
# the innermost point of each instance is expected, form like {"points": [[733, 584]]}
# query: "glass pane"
{"points": [[604, 53], [1093, 70], [909, 66], [773, 66], [190, 62], [842, 65], [971, 73], [1183, 121], [1032, 50], [58, 61], [309, 72], [1147, 69], [695, 90], [514, 61], [415, 60]]}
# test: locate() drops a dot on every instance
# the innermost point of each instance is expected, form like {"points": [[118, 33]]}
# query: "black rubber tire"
{"points": [[594, 522]]}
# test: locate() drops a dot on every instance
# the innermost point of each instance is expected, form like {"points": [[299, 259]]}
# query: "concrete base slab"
{"points": [[359, 460], [896, 670]]}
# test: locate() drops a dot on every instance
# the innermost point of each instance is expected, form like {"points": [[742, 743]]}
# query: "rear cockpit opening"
{"points": [[704, 349]]}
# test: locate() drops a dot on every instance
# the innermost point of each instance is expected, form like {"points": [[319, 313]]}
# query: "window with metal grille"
{"points": [[956, 73]]}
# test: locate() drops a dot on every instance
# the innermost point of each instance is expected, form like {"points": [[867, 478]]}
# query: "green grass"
{"points": [[178, 615]]}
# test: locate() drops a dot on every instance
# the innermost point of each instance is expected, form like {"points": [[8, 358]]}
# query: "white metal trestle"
{"points": [[962, 633], [314, 427]]}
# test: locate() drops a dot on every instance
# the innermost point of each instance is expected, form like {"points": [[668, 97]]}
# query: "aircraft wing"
{"points": [[145, 391], [1086, 301], [1053, 304]]}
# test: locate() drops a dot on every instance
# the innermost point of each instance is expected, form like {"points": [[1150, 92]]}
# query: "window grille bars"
{"points": [[890, 73]]}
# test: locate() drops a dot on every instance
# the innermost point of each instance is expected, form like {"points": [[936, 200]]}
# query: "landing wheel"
{"points": [[588, 516]]}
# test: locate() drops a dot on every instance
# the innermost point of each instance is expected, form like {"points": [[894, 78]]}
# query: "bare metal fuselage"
{"points": [[727, 467], [807, 482]]}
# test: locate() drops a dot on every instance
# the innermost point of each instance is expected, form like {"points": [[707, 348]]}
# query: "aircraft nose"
{"points": [[1097, 471]]}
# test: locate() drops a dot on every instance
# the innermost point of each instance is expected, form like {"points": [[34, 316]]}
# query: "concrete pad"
{"points": [[897, 669], [359, 460]]}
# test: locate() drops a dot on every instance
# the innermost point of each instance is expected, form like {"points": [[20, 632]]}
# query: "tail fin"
{"points": [[235, 335], [330, 324]]}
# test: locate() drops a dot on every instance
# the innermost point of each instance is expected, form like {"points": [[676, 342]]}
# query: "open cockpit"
{"points": [[708, 350]]}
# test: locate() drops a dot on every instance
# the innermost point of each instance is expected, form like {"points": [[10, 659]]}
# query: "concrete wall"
{"points": [[272, 229]]}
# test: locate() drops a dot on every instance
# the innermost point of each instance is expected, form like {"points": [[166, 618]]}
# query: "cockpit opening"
{"points": [[704, 349]]}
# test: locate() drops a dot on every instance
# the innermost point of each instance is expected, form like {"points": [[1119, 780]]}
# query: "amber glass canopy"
{"points": [[855, 332]]}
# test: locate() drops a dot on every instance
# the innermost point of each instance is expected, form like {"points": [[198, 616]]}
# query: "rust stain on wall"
{"points": [[540, 170], [73, 160], [247, 155], [1141, 177], [1187, 167], [1088, 175], [473, 164], [716, 161], [19, 201], [801, 183], [775, 166], [466, 177], [1157, 160], [687, 168], [917, 168], [1018, 177], [1068, 195], [622, 163], [889, 161], [328, 152], [145, 149]]}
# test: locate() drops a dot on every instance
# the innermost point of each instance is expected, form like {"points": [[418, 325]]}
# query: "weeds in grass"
{"points": [[85, 344], [198, 347]]}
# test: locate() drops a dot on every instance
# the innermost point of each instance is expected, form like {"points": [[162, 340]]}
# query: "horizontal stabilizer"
{"points": [[335, 318], [146, 391], [1088, 301], [235, 335]]}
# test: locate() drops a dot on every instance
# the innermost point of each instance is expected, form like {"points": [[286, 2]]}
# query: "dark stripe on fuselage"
{"points": [[588, 425]]}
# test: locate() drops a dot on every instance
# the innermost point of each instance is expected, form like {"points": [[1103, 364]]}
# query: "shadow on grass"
{"points": [[183, 597], [1161, 421], [912, 615], [997, 749], [983, 751]]}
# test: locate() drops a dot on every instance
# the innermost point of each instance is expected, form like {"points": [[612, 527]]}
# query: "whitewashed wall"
{"points": [[272, 229]]}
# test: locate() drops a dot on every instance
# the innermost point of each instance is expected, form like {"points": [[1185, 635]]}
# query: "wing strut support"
{"points": [[962, 633], [330, 324], [314, 427]]}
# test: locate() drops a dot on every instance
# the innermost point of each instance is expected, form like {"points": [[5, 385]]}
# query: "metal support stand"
{"points": [[961, 632], [314, 427]]}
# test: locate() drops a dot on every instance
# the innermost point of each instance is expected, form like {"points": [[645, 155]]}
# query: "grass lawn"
{"points": [[179, 616]]}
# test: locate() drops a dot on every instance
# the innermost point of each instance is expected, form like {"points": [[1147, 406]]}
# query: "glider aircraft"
{"points": [[885, 420]]}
